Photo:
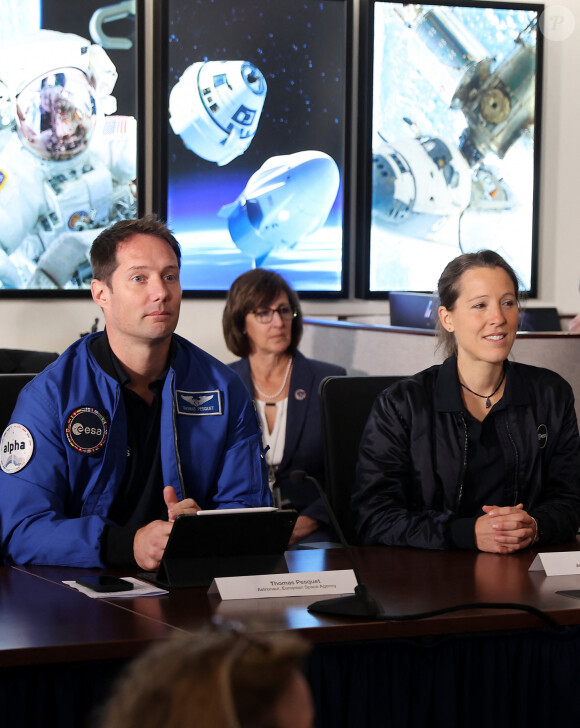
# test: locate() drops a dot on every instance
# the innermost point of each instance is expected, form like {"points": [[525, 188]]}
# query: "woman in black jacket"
{"points": [[477, 452]]}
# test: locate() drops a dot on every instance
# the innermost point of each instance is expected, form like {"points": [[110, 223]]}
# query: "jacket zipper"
{"points": [[464, 463], [173, 422]]}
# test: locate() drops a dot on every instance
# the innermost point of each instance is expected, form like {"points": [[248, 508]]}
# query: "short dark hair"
{"points": [[448, 286], [104, 248], [255, 289]]}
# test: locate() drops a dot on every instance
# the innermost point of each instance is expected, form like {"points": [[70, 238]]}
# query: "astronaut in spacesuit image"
{"points": [[67, 162]]}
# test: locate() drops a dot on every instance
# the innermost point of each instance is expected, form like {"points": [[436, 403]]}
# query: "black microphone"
{"points": [[359, 604], [362, 604]]}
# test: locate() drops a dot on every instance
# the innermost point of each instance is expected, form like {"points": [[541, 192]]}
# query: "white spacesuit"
{"points": [[67, 166]]}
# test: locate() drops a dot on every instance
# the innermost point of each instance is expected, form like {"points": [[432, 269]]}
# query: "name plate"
{"points": [[559, 563], [309, 583]]}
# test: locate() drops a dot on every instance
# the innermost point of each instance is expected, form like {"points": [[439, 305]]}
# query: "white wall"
{"points": [[54, 324]]}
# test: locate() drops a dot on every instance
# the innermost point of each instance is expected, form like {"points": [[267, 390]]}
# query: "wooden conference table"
{"points": [[59, 650]]}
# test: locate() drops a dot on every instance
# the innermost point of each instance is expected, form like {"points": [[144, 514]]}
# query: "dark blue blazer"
{"points": [[303, 448]]}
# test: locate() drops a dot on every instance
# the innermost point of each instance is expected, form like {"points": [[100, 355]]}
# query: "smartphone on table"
{"points": [[105, 583]]}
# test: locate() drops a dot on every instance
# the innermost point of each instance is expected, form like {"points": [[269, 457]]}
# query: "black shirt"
{"points": [[140, 497], [486, 477]]}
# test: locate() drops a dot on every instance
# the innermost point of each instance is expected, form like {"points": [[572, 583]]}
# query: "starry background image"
{"points": [[300, 48]]}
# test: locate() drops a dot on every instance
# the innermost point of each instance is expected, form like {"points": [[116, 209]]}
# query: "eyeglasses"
{"points": [[265, 315]]}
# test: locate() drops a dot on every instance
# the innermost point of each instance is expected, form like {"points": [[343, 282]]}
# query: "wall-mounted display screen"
{"points": [[450, 146], [68, 137], [252, 147]]}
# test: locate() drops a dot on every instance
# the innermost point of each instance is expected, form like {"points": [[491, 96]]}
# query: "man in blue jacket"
{"points": [[129, 427]]}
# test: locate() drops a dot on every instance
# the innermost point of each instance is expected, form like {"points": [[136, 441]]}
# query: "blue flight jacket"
{"points": [[53, 509]]}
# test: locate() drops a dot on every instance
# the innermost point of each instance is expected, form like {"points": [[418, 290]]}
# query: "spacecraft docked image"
{"points": [[453, 138]]}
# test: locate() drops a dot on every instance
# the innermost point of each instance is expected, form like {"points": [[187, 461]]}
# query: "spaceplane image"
{"points": [[284, 202], [453, 139], [256, 140]]}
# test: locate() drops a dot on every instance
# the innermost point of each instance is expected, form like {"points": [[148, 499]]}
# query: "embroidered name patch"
{"points": [[16, 448], [199, 403], [86, 430]]}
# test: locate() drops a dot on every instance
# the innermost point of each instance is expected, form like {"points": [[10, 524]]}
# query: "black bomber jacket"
{"points": [[412, 458]]}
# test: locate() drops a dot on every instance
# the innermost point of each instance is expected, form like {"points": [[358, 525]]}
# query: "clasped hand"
{"points": [[150, 540], [504, 530]]}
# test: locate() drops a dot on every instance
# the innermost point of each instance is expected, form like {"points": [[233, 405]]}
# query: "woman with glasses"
{"points": [[262, 324]]}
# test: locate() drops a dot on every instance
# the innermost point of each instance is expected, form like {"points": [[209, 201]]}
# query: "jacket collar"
{"points": [[243, 369], [301, 381], [106, 359], [301, 377], [302, 388], [448, 391]]}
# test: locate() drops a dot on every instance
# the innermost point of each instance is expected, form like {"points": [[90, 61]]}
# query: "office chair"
{"points": [[10, 386], [345, 404], [25, 361], [540, 319]]}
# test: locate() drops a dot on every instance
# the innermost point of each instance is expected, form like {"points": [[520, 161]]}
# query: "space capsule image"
{"points": [[425, 175], [287, 199], [215, 108]]}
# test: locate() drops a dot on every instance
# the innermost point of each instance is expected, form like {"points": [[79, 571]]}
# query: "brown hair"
{"points": [[104, 248], [255, 289], [449, 284], [213, 680]]}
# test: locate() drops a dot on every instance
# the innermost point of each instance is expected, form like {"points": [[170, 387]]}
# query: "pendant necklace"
{"points": [[487, 397], [279, 392]]}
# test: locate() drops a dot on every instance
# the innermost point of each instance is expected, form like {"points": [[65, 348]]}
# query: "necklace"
{"points": [[273, 440], [487, 397], [279, 392]]}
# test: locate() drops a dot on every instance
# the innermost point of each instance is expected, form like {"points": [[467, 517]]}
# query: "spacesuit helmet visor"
{"points": [[56, 114]]}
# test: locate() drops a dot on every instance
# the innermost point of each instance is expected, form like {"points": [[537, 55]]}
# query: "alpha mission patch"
{"points": [[16, 448]]}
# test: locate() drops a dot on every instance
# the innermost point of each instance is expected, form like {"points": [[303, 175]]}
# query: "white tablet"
{"points": [[260, 509]]}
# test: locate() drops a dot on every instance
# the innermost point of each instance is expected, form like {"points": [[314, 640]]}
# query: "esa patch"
{"points": [[16, 448], [199, 403], [86, 430]]}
